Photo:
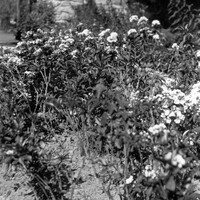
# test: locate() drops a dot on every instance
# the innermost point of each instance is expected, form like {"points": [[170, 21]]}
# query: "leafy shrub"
{"points": [[42, 15]]}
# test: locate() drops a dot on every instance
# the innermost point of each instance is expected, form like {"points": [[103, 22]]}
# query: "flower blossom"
{"points": [[149, 172], [104, 32], [131, 31], [155, 23], [37, 52], [133, 18], [156, 37], [10, 152], [85, 32], [129, 180], [176, 160], [198, 54], [175, 46], [157, 128], [70, 40], [142, 20], [113, 37]]}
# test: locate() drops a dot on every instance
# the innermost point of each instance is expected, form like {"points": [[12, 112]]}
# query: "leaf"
{"points": [[118, 143], [197, 129], [148, 193], [171, 185], [99, 88]]}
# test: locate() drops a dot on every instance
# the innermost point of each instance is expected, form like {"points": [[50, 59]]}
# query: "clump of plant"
{"points": [[41, 15], [129, 97], [99, 17]]}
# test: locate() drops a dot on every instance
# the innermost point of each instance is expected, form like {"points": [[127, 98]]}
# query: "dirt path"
{"points": [[7, 39]]}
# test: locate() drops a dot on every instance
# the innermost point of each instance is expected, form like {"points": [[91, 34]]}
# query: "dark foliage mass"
{"points": [[164, 9]]}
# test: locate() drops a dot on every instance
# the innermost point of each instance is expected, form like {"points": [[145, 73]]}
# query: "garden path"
{"points": [[7, 39]]}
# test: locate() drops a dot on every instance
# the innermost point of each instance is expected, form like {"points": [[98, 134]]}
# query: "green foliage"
{"points": [[98, 17], [7, 8], [42, 15]]}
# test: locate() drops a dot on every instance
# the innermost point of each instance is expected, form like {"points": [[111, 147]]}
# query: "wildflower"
{"points": [[156, 37], [131, 31], [129, 180], [70, 40], [142, 20], [104, 32], [10, 152], [168, 156], [113, 37], [15, 60], [37, 52], [63, 46], [149, 172], [155, 23], [178, 160], [29, 33], [89, 38], [175, 46], [133, 18], [157, 128], [198, 54], [85, 32], [40, 31], [74, 52], [29, 73], [38, 41]]}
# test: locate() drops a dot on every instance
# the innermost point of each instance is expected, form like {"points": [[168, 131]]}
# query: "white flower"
{"points": [[133, 18], [74, 52], [29, 73], [155, 23], [175, 46], [198, 54], [37, 52], [114, 34], [131, 31], [178, 160], [129, 180], [157, 128], [149, 172], [10, 152], [113, 37], [38, 41], [85, 32], [168, 156], [104, 32], [63, 46], [70, 40], [142, 20], [156, 37], [89, 38]]}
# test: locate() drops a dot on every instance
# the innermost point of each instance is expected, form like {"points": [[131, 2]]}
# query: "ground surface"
{"points": [[15, 186], [7, 38]]}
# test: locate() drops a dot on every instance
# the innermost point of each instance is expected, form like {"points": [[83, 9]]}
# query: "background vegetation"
{"points": [[119, 86]]}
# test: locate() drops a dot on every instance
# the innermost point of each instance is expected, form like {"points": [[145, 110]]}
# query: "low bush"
{"points": [[42, 15]]}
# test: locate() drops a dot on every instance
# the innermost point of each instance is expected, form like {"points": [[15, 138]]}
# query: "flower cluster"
{"points": [[112, 37], [104, 32], [176, 159], [158, 128], [148, 172], [174, 114]]}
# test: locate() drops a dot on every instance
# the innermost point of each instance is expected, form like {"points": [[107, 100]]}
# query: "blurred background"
{"points": [[18, 16]]}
